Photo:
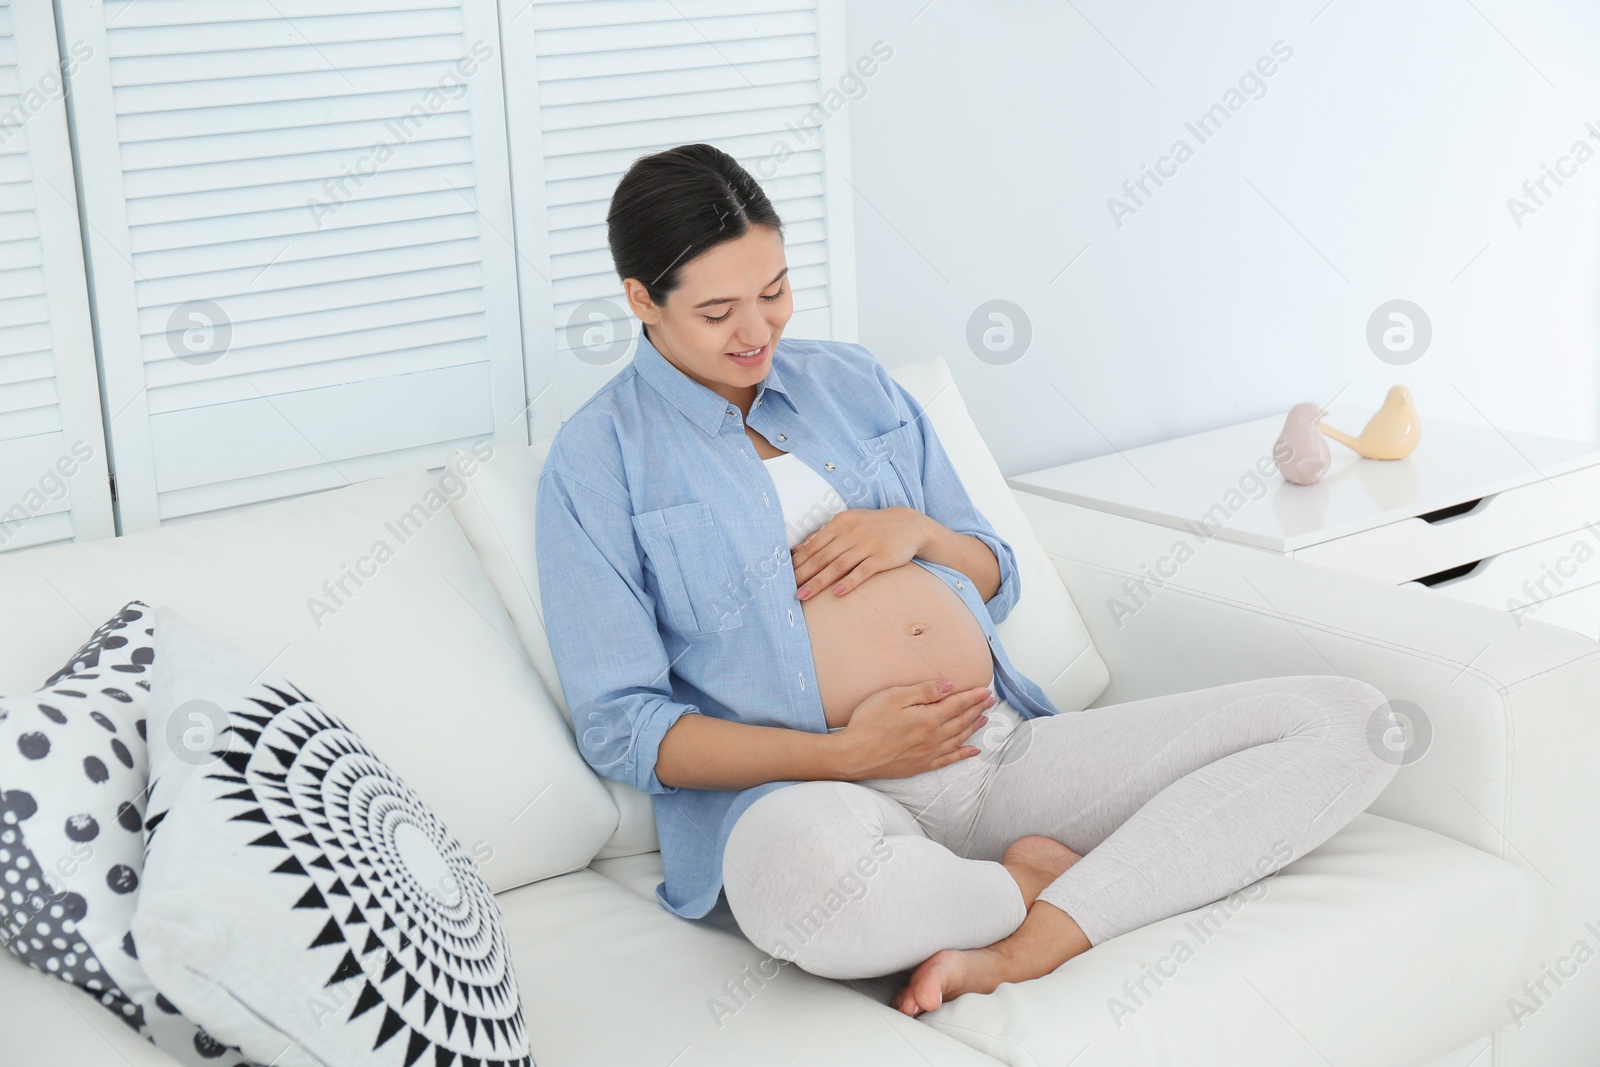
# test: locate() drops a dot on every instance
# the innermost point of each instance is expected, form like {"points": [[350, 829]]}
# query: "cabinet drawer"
{"points": [[1577, 607], [1523, 578], [1413, 548]]}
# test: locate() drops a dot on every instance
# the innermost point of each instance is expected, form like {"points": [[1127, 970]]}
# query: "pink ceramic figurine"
{"points": [[1301, 453]]}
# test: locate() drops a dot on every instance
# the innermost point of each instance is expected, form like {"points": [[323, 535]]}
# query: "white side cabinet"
{"points": [[1507, 520]]}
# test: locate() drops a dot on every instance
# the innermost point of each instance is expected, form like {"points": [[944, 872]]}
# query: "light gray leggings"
{"points": [[1174, 802]]}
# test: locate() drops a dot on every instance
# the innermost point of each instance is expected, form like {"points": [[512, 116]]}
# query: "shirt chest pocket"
{"points": [[686, 558], [896, 459]]}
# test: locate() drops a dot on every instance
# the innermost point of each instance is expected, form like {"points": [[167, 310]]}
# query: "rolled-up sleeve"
{"points": [[946, 501], [600, 620]]}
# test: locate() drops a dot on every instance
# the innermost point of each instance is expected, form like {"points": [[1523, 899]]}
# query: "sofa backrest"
{"points": [[371, 600], [1044, 634]]}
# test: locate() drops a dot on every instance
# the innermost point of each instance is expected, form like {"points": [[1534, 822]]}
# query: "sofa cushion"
{"points": [[607, 977], [1044, 634], [492, 491], [611, 977], [1385, 944], [298, 895], [370, 597]]}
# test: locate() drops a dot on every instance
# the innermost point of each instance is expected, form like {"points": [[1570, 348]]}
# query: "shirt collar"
{"points": [[700, 404]]}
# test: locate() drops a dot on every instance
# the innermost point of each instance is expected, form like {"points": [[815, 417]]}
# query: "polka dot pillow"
{"points": [[299, 900], [73, 771]]}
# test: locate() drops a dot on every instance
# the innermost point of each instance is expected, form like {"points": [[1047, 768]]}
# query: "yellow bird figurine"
{"points": [[1392, 433]]}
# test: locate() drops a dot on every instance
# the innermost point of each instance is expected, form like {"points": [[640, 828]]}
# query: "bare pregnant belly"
{"points": [[898, 627]]}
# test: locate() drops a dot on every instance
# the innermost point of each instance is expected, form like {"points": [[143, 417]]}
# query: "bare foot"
{"points": [[1047, 938], [1035, 862]]}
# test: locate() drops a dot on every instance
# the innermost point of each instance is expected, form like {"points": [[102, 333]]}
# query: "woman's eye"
{"points": [[724, 316]]}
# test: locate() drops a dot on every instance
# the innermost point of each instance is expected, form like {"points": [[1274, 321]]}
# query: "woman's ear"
{"points": [[639, 302]]}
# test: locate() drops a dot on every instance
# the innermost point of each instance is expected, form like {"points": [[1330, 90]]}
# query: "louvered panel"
{"points": [[265, 257], [218, 67], [363, 27], [221, 498], [592, 13], [276, 116], [317, 426], [332, 178], [289, 223], [663, 26], [714, 127], [281, 89], [789, 97], [149, 13], [294, 364], [355, 138], [302, 273], [635, 89], [53, 481], [23, 283], [310, 169], [618, 79], [331, 308], [328, 372]]}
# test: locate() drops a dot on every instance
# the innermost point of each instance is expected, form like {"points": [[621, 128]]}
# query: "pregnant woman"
{"points": [[772, 606]]}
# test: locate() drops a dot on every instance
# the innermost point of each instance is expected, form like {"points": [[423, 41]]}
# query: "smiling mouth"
{"points": [[755, 356]]}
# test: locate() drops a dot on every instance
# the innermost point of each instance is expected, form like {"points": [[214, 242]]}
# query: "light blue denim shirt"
{"points": [[665, 573]]}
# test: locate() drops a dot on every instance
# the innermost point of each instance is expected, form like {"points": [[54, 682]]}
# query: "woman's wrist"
{"points": [[836, 757]]}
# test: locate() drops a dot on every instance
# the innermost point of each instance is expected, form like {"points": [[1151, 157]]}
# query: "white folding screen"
{"points": [[53, 483], [300, 241], [594, 84]]}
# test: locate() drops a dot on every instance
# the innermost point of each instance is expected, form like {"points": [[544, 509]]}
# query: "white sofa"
{"points": [[1398, 942]]}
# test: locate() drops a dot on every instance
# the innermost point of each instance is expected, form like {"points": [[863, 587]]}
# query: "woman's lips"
{"points": [[750, 361]]}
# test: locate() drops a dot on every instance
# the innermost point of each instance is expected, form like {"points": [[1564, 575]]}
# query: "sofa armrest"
{"points": [[1512, 705]]}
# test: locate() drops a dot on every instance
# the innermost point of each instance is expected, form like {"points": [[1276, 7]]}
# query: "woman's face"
{"points": [[733, 298]]}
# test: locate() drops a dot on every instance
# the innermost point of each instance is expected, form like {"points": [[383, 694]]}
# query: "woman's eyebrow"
{"points": [[731, 299]]}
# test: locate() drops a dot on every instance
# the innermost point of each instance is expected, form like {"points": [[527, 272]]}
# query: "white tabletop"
{"points": [[1174, 483]]}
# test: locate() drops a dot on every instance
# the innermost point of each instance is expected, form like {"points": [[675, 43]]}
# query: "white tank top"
{"points": [[808, 500]]}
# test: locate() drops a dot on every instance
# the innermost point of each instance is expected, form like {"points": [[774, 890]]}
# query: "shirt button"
{"points": [[783, 437], [758, 401], [732, 412], [960, 584], [827, 466]]}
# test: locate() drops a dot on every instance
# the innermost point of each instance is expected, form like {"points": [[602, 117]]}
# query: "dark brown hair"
{"points": [[671, 206]]}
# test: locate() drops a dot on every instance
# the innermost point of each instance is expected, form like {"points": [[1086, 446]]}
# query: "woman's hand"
{"points": [[908, 729], [856, 544]]}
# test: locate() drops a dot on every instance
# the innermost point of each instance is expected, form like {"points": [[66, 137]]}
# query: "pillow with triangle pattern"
{"points": [[72, 798], [299, 901]]}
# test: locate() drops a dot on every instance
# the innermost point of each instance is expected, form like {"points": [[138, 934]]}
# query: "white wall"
{"points": [[1376, 165]]}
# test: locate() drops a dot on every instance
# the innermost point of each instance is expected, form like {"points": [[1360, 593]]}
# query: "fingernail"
{"points": [[946, 685], [839, 588]]}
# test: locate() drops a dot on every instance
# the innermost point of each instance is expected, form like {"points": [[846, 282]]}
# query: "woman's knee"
{"points": [[794, 871], [1360, 720]]}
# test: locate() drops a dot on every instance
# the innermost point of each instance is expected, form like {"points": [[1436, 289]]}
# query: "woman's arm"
{"points": [[894, 733], [704, 752], [964, 553]]}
